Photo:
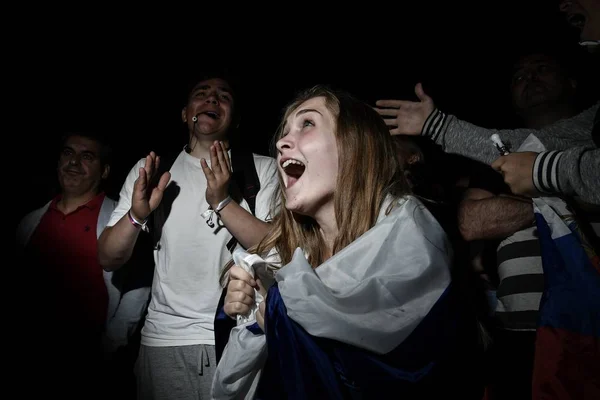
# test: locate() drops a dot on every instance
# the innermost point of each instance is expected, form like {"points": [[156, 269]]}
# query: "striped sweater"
{"points": [[570, 165], [521, 280]]}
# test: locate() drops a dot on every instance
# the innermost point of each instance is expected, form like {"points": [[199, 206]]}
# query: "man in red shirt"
{"points": [[59, 249]]}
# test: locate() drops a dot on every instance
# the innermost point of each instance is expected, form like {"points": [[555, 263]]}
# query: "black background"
{"points": [[124, 71]]}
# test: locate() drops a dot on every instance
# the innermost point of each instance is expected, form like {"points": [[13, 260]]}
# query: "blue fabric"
{"points": [[568, 336], [254, 328], [571, 298], [301, 366]]}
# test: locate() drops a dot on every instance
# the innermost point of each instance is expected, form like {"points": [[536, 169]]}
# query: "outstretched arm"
{"points": [[454, 135]]}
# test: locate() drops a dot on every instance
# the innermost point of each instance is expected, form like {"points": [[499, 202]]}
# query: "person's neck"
{"points": [[201, 148], [545, 115], [70, 202], [329, 228]]}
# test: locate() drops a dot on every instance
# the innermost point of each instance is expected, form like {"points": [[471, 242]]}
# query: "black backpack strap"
{"points": [[244, 183], [245, 175]]}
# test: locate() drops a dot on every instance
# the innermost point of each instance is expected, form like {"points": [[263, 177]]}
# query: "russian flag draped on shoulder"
{"points": [[567, 348], [567, 357], [377, 316]]}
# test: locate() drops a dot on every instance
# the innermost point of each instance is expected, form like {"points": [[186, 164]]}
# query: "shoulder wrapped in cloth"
{"points": [[377, 316]]}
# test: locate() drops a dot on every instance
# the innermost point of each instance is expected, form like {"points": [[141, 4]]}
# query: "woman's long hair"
{"points": [[368, 171]]}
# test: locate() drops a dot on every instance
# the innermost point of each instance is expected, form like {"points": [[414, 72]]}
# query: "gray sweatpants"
{"points": [[177, 372]]}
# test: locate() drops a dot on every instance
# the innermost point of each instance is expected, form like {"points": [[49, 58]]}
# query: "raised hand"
{"points": [[145, 198], [406, 117], [217, 175]]}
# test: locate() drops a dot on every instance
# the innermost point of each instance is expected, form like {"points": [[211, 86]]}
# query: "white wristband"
{"points": [[138, 224], [222, 204]]}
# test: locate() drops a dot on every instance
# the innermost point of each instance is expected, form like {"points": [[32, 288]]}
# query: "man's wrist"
{"points": [[222, 204], [434, 124], [136, 217], [137, 222], [545, 171]]}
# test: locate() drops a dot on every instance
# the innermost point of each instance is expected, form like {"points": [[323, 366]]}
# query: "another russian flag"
{"points": [[567, 361]]}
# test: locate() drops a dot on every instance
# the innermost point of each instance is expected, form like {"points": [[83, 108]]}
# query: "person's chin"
{"points": [[592, 46], [293, 207], [214, 133], [296, 208], [70, 180], [590, 33]]}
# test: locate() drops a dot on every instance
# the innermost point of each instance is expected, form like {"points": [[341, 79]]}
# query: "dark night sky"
{"points": [[125, 75]]}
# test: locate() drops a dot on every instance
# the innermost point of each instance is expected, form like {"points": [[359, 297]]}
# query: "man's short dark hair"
{"points": [[575, 62], [218, 73], [567, 56]]}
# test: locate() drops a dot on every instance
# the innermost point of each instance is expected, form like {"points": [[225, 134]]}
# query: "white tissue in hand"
{"points": [[532, 143], [247, 261]]}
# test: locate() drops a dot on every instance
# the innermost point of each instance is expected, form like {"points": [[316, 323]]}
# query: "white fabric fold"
{"points": [[373, 293], [245, 261], [239, 369]]}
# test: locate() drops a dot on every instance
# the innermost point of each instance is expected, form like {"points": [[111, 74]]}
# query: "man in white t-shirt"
{"points": [[198, 218]]}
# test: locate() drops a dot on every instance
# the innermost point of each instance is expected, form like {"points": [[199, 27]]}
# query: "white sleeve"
{"points": [[238, 372], [266, 168], [124, 203]]}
